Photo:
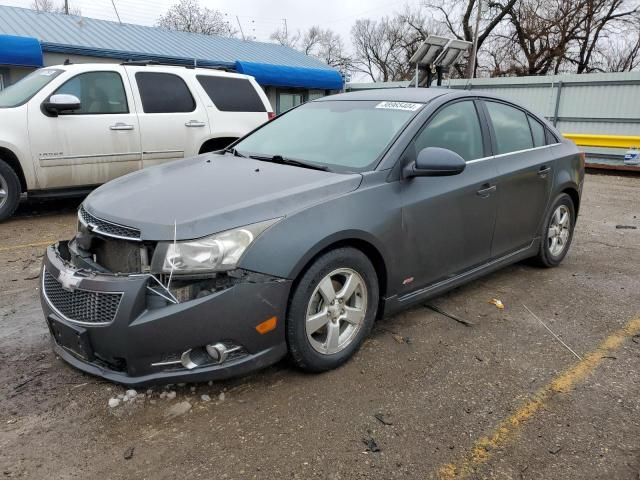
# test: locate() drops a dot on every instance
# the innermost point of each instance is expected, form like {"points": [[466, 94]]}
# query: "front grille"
{"points": [[108, 228], [97, 308]]}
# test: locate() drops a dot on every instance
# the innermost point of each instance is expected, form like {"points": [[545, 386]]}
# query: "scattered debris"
{"points": [[371, 444], [128, 453], [626, 227], [480, 359], [381, 417], [28, 380], [130, 394], [450, 315], [205, 398], [114, 402], [178, 409], [610, 357], [636, 338], [171, 395], [555, 449], [400, 338], [497, 303], [552, 333], [221, 397]]}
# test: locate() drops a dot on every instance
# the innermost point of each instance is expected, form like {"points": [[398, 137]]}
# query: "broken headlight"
{"points": [[219, 252]]}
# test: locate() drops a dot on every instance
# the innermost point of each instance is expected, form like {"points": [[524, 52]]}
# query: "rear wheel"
{"points": [[332, 310], [557, 232], [9, 191]]}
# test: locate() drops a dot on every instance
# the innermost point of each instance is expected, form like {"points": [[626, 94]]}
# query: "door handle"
{"points": [[544, 170], [194, 123], [486, 190], [121, 126]]}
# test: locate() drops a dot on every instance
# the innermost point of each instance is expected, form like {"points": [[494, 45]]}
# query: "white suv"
{"points": [[68, 128]]}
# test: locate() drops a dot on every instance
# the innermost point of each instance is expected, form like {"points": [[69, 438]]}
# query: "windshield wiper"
{"points": [[234, 152], [289, 161]]}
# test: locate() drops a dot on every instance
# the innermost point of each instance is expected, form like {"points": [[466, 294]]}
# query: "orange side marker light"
{"points": [[267, 325]]}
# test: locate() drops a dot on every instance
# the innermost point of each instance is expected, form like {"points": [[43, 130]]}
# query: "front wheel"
{"points": [[332, 310], [9, 191], [557, 232]]}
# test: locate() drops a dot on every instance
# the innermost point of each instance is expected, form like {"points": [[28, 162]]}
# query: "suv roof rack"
{"points": [[144, 63]]}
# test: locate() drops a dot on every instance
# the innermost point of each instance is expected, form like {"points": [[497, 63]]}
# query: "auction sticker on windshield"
{"points": [[411, 107]]}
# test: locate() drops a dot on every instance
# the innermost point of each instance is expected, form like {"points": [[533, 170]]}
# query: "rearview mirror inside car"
{"points": [[435, 162], [61, 102]]}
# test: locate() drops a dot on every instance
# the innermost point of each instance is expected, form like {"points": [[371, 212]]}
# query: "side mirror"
{"points": [[435, 162], [61, 102]]}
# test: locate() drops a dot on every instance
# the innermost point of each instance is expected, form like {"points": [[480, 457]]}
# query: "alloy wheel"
{"points": [[4, 191], [559, 230], [336, 311]]}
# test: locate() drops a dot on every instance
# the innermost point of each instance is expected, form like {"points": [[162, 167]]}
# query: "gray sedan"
{"points": [[296, 238]]}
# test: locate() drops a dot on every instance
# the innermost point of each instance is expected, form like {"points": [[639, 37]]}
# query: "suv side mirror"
{"points": [[61, 102], [435, 162]]}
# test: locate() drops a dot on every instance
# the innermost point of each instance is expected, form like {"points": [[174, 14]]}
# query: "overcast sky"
{"points": [[258, 17]]}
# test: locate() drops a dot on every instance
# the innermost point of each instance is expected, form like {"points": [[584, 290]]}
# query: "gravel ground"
{"points": [[426, 397]]}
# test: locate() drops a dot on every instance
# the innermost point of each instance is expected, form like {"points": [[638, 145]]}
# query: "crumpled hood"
{"points": [[212, 193]]}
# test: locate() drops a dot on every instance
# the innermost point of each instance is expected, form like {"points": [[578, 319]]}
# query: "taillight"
{"points": [[271, 115]]}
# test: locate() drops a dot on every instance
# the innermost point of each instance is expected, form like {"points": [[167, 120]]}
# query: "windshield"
{"points": [[20, 92], [346, 135]]}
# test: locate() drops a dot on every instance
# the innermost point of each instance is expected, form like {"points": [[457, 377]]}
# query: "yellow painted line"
{"points": [[26, 245], [604, 141], [483, 449]]}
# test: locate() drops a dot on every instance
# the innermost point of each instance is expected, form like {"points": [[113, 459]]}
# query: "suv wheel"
{"points": [[557, 232], [9, 191], [332, 310]]}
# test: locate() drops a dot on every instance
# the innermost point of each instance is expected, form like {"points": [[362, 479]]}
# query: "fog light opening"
{"points": [[213, 354]]}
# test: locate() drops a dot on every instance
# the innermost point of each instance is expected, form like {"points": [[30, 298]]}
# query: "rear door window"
{"points": [[231, 94], [455, 127], [537, 130], [511, 128], [164, 93]]}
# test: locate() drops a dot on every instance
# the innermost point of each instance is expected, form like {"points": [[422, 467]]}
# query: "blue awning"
{"points": [[20, 51], [285, 76]]}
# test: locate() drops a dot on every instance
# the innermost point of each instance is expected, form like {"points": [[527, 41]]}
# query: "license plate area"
{"points": [[72, 338]]}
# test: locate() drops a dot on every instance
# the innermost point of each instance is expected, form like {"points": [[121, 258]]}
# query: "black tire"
{"points": [[301, 351], [9, 181], [545, 257]]}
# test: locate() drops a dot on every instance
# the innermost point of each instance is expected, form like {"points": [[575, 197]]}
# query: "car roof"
{"points": [[419, 95]]}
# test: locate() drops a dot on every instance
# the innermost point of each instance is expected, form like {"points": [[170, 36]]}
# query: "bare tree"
{"points": [[601, 18], [285, 38], [623, 54], [324, 44], [553, 36], [50, 6], [189, 16]]}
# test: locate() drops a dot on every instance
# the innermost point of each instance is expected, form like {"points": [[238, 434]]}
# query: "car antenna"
{"points": [[175, 236]]}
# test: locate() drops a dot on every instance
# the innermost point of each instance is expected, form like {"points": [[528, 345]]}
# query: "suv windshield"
{"points": [[20, 92], [346, 135]]}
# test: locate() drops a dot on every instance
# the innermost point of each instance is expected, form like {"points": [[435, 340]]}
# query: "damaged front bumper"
{"points": [[117, 326]]}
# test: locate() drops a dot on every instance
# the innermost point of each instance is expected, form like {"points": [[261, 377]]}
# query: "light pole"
{"points": [[474, 51]]}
